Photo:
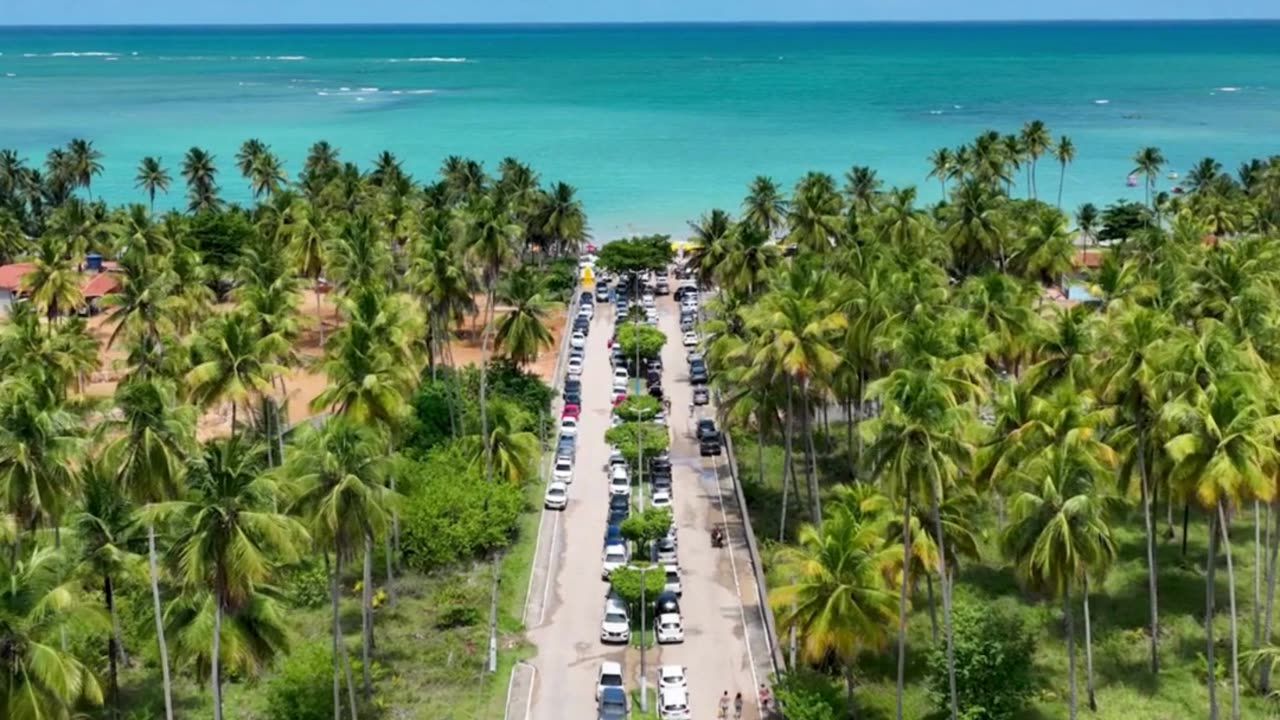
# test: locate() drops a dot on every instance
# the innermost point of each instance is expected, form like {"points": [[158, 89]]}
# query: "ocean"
{"points": [[655, 124]]}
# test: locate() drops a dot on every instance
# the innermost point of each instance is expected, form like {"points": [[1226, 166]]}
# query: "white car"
{"points": [[672, 677], [673, 704], [563, 470], [578, 340], [671, 535], [620, 373], [647, 300], [663, 552], [660, 418], [615, 556], [615, 457], [569, 427], [670, 629], [587, 311], [619, 384], [616, 625], [610, 675], [557, 496], [619, 484], [575, 366], [661, 499], [673, 580], [691, 339]]}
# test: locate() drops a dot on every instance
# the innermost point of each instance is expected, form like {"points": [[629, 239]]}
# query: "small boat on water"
{"points": [[1132, 181], [1177, 190], [1173, 175]]}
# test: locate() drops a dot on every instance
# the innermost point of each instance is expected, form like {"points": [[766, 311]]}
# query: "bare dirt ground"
{"points": [[303, 384]]}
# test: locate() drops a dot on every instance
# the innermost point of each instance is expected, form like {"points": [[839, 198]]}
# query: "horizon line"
{"points": [[668, 23]]}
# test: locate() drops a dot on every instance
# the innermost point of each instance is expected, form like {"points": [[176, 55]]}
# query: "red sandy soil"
{"points": [[303, 384]]}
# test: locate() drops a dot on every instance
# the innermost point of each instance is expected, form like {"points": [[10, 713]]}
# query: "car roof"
{"points": [[557, 484], [609, 667], [671, 670], [614, 548], [674, 696]]}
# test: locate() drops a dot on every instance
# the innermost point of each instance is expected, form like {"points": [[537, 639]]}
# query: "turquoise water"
{"points": [[654, 124]]}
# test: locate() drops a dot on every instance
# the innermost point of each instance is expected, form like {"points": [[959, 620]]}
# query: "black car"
{"points": [[707, 430], [666, 602], [698, 375], [572, 397], [661, 482], [587, 298], [602, 292], [617, 516], [701, 396], [573, 385], [655, 392], [582, 325], [710, 446]]}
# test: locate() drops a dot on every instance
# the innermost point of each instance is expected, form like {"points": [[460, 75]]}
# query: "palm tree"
{"points": [[39, 440], [38, 677], [338, 471], [515, 448], [765, 206], [710, 245], [814, 216], [919, 440], [53, 283], [838, 601], [976, 228], [230, 539], [152, 439], [152, 177], [942, 165], [200, 174], [102, 527], [522, 330], [1224, 455], [1086, 225], [1204, 174], [248, 153], [233, 363], [1148, 162], [83, 161], [862, 189], [1036, 141], [1058, 532], [1065, 152], [750, 254], [560, 217], [266, 175]]}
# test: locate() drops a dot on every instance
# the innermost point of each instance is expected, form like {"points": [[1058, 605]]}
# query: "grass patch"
{"points": [[1118, 608]]}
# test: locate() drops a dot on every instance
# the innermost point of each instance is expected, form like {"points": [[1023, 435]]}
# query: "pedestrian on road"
{"points": [[724, 705], [737, 706], [765, 697]]}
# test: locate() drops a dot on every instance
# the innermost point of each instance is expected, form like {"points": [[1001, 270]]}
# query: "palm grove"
{"points": [[992, 424], [106, 496]]}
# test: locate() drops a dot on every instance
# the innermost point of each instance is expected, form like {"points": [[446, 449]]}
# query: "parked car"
{"points": [[671, 677], [562, 471], [613, 534], [710, 447], [616, 625], [663, 551], [619, 509], [661, 499], [569, 426], [612, 705], [578, 339], [670, 629], [674, 585], [698, 374], [615, 556], [666, 602], [572, 410], [707, 429], [609, 676], [619, 484], [556, 497], [575, 366], [673, 704], [701, 396], [690, 339]]}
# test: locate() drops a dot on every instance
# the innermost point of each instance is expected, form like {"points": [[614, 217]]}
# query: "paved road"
{"points": [[725, 646]]}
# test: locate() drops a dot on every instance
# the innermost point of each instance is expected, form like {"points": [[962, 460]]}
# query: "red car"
{"points": [[570, 410], [618, 397]]}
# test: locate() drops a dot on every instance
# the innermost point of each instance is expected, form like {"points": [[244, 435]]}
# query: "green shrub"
{"points": [[625, 582], [649, 339], [993, 654], [646, 526], [809, 695], [638, 406], [460, 601], [450, 512], [308, 586], [429, 425], [624, 437], [303, 687]]}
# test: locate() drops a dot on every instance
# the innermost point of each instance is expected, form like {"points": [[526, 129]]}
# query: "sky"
{"points": [[166, 12]]}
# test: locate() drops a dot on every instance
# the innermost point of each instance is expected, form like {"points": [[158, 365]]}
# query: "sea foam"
{"points": [[435, 59]]}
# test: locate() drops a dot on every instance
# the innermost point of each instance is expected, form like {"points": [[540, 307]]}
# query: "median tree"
{"points": [[636, 254], [644, 527], [648, 340], [625, 582], [630, 436], [638, 407]]}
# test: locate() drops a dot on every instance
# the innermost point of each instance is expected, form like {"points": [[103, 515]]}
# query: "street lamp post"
{"points": [[644, 691]]}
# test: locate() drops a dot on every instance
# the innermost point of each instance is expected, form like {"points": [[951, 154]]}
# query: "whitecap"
{"points": [[958, 107], [368, 89], [291, 57], [29, 55], [343, 89], [359, 99], [419, 92], [83, 54], [1229, 89], [1101, 102], [11, 74], [935, 112], [437, 59], [111, 59]]}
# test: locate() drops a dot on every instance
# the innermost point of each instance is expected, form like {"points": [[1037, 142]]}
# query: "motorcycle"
{"points": [[717, 536]]}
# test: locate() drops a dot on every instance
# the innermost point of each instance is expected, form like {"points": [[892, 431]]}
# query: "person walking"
{"points": [[724, 705], [737, 706]]}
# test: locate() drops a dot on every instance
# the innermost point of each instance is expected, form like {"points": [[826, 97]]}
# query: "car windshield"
{"points": [[611, 680], [614, 618]]}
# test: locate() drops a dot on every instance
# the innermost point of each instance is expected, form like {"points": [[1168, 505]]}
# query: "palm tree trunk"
{"points": [[1231, 599], [812, 469], [366, 618], [1152, 590], [1088, 649], [484, 386], [944, 580], [1071, 653], [337, 633], [1273, 545], [848, 689], [933, 611], [902, 604], [1186, 520], [215, 660], [113, 645], [315, 289], [786, 465], [159, 614], [760, 452], [1257, 573], [1210, 566], [1062, 177]]}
